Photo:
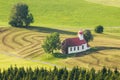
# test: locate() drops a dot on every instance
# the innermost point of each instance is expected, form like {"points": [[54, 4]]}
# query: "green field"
{"points": [[65, 13], [115, 3], [10, 60], [23, 46]]}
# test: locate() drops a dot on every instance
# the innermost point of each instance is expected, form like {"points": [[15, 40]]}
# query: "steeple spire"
{"points": [[80, 35]]}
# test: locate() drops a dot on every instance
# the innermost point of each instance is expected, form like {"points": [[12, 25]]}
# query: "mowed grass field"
{"points": [[24, 45], [65, 13]]}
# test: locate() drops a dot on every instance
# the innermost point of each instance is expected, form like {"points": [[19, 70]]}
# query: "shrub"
{"points": [[99, 29]]}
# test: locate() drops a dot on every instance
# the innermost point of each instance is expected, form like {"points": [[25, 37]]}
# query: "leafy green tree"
{"points": [[88, 35], [20, 16], [99, 29], [51, 43]]}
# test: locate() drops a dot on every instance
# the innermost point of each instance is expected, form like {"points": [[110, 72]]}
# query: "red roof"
{"points": [[75, 41]]}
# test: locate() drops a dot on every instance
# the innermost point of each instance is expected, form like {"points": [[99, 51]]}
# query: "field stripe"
{"points": [[18, 35], [33, 52], [4, 39]]}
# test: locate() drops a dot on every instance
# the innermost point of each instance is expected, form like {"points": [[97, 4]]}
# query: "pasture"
{"points": [[65, 13], [115, 3]]}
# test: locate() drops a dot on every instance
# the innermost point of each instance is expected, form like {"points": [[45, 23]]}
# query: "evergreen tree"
{"points": [[116, 71], [65, 74], [58, 74], [92, 74]]}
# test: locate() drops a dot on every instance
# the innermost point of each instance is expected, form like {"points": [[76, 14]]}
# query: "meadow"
{"points": [[23, 46], [67, 13], [115, 3]]}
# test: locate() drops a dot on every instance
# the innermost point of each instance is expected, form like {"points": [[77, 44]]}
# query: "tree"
{"points": [[99, 29], [20, 15], [58, 74], [88, 35], [116, 71], [52, 43]]}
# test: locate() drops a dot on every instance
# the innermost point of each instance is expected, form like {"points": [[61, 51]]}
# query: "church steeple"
{"points": [[80, 35]]}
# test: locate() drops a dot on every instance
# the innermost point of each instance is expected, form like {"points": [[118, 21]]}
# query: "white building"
{"points": [[75, 45]]}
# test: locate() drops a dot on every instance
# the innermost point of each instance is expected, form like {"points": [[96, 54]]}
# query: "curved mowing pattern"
{"points": [[5, 39], [27, 44], [22, 42]]}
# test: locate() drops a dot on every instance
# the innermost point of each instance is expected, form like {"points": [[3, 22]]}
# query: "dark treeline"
{"points": [[14, 73]]}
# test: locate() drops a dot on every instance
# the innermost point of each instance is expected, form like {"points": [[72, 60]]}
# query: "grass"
{"points": [[6, 61], [23, 46], [26, 43], [67, 13], [115, 3]]}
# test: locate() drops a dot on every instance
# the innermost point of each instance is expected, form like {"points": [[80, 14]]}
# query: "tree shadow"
{"points": [[90, 51], [49, 30]]}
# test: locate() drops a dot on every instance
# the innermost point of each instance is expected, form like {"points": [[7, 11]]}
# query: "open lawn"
{"points": [[26, 43], [63, 13]]}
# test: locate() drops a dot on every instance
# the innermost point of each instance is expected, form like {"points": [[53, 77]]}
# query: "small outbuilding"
{"points": [[75, 45]]}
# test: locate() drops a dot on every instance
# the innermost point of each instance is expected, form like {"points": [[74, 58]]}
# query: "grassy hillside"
{"points": [[115, 3], [23, 46], [27, 44], [65, 13]]}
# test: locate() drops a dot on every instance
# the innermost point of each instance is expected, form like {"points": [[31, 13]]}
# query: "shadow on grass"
{"points": [[96, 49], [49, 30], [90, 51], [63, 56]]}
